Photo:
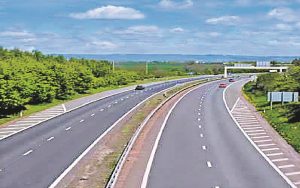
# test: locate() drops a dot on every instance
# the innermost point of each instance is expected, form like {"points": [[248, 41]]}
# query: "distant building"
{"points": [[263, 64]]}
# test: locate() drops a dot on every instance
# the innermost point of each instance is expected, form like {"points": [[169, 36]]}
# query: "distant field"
{"points": [[171, 68]]}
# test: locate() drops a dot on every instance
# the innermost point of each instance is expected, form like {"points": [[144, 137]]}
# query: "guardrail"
{"points": [[122, 159]]}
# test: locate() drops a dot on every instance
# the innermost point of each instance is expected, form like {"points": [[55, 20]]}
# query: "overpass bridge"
{"points": [[280, 69]]}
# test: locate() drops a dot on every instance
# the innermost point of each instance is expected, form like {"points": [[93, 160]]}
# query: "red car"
{"points": [[222, 85]]}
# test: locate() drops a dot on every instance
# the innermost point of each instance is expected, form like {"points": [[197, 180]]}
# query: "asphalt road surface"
{"points": [[202, 147], [35, 157]]}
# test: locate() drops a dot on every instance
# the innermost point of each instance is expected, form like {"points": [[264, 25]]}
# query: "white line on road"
{"points": [[297, 183], [255, 131], [68, 128], [200, 126], [258, 137], [201, 135], [199, 119], [209, 165], [92, 115], [64, 107], [51, 138], [255, 134], [286, 166], [252, 128], [247, 126], [264, 145], [281, 159], [270, 149], [292, 173], [235, 104], [81, 120], [101, 109], [28, 152], [260, 141], [274, 154], [9, 132], [109, 106]]}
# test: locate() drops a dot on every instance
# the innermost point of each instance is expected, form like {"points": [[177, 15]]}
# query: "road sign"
{"points": [[274, 96], [282, 97], [263, 64], [287, 96]]}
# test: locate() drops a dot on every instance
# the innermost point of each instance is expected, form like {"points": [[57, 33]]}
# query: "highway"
{"points": [[37, 156], [202, 147]]}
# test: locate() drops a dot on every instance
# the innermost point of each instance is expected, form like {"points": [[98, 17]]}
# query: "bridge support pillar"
{"points": [[225, 72]]}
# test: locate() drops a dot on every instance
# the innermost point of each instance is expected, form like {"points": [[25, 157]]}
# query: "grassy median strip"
{"points": [[40, 107], [131, 126], [284, 118]]}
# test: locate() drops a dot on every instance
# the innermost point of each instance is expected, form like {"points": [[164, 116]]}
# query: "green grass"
{"points": [[40, 107], [284, 118]]}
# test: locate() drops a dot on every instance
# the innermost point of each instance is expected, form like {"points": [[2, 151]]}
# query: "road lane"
{"points": [[227, 160], [70, 135]]}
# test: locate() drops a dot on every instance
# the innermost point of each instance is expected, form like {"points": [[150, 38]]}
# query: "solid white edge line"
{"points": [[236, 102], [154, 149], [67, 170], [253, 144]]}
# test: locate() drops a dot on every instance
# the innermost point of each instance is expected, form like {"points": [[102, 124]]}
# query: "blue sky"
{"points": [[243, 27]]}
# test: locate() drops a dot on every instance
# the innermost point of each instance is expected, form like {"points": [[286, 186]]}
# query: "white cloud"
{"points": [[110, 12], [224, 20], [177, 30], [140, 30], [214, 34], [170, 4], [283, 14], [284, 27], [105, 45], [16, 34]]}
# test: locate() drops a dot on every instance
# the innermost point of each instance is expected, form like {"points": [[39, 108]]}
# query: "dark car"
{"points": [[222, 85], [231, 80], [139, 87]]}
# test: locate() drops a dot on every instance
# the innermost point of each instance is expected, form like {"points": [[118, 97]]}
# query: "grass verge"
{"points": [[284, 118], [40, 107]]}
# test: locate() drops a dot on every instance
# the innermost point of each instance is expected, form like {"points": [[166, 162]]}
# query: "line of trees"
{"points": [[289, 81], [34, 78]]}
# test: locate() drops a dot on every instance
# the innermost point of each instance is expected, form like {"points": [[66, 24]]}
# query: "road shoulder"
{"points": [[275, 149]]}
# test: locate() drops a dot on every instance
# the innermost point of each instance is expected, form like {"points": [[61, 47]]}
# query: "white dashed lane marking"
{"points": [[28, 152], [81, 120], [51, 138], [209, 165], [68, 128], [92, 115]]}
